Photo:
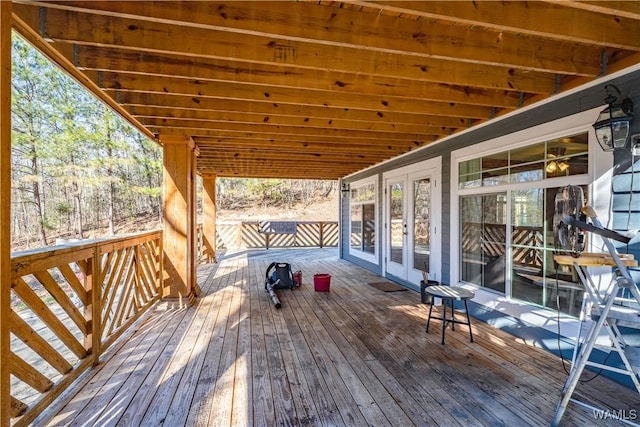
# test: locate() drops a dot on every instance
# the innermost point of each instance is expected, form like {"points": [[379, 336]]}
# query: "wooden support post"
{"points": [[193, 260], [179, 235], [5, 210], [209, 235]]}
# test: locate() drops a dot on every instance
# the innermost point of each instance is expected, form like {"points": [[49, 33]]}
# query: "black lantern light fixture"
{"points": [[345, 188], [614, 122]]}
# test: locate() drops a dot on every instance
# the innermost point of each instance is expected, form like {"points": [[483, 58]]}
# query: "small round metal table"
{"points": [[449, 294]]}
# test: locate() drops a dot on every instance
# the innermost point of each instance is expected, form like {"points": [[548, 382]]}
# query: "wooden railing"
{"points": [[247, 235], [68, 305]]}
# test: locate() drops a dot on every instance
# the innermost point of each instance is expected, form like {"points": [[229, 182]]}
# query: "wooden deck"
{"points": [[354, 356]]}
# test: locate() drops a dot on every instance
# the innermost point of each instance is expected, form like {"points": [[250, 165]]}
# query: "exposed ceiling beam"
{"points": [[463, 112], [373, 122], [354, 139], [290, 147], [380, 131], [403, 70], [527, 18], [323, 40], [396, 96], [295, 133], [321, 89], [625, 8]]}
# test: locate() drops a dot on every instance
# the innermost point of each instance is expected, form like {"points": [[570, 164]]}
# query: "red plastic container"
{"points": [[321, 282], [297, 278]]}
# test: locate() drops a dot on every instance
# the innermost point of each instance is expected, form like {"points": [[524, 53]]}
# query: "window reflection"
{"points": [[396, 217], [566, 156], [483, 248], [535, 277], [363, 218], [421, 223]]}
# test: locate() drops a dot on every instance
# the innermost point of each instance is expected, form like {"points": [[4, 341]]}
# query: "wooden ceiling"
{"points": [[325, 88]]}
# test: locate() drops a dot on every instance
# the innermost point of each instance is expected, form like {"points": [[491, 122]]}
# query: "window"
{"points": [[484, 234], [506, 204], [363, 219], [535, 277], [560, 157]]}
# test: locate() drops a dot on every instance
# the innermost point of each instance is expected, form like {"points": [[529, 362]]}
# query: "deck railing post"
{"points": [[93, 285], [5, 210], [321, 242], [208, 228], [160, 266]]}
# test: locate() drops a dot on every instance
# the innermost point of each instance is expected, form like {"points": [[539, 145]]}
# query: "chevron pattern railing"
{"points": [[68, 304]]}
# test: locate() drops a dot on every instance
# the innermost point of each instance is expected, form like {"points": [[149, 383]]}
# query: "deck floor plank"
{"points": [[399, 351], [407, 390], [223, 394], [263, 401], [318, 389], [355, 392], [445, 405], [242, 396], [157, 359], [295, 366], [285, 411], [200, 409], [199, 338], [480, 385], [351, 356], [213, 385], [143, 386], [95, 396], [390, 412]]}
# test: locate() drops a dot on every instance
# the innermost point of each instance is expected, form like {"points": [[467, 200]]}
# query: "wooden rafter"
{"points": [[259, 84], [405, 70], [538, 19]]}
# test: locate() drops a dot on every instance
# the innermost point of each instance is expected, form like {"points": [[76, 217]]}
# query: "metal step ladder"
{"points": [[606, 312]]}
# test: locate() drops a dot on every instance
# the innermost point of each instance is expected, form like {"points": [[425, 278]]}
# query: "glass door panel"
{"points": [[397, 224], [421, 223], [484, 240], [369, 228], [527, 240]]}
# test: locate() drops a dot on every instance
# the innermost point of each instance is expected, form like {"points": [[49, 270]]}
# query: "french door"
{"points": [[412, 221]]}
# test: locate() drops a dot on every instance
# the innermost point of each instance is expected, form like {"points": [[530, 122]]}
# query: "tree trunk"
{"points": [[112, 187], [155, 202], [37, 199], [77, 200]]}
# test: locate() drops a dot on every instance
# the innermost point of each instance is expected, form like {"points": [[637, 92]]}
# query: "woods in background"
{"points": [[75, 164], [236, 193], [79, 170]]}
